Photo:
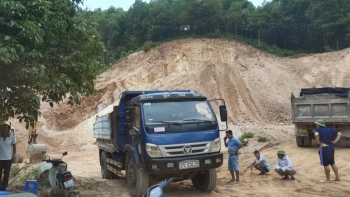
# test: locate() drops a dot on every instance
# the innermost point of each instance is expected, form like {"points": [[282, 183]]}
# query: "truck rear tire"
{"points": [[137, 179], [342, 143], [307, 141], [205, 180], [106, 174], [300, 141]]}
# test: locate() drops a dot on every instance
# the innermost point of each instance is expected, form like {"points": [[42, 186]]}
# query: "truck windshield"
{"points": [[177, 113]]}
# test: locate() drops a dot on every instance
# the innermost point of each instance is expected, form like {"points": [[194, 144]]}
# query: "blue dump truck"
{"points": [[158, 135]]}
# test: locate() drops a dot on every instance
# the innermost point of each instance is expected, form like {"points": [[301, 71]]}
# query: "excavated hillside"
{"points": [[255, 85]]}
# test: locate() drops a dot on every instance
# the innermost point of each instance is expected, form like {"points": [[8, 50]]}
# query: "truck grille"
{"points": [[176, 150]]}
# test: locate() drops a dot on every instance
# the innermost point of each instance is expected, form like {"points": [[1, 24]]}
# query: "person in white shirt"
{"points": [[284, 166], [7, 152], [260, 163]]}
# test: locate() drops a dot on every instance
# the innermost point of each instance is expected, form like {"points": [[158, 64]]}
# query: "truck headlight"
{"points": [[216, 146], [153, 150]]}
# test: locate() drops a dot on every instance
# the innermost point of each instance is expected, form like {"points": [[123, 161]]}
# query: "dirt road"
{"points": [[306, 161]]}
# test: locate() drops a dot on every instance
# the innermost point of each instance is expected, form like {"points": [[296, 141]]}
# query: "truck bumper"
{"points": [[172, 165]]}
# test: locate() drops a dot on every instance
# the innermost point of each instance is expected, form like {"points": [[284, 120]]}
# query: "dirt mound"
{"points": [[256, 87]]}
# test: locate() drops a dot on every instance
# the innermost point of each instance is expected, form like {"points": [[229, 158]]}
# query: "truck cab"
{"points": [[162, 134]]}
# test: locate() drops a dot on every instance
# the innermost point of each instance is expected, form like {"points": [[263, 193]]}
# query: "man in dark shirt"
{"points": [[326, 138]]}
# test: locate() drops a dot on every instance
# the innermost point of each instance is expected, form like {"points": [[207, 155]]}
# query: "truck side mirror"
{"points": [[223, 113]]}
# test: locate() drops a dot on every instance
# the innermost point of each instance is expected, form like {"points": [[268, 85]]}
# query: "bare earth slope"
{"points": [[256, 87]]}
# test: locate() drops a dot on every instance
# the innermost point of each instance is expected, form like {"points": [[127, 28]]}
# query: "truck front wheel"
{"points": [[205, 180], [137, 179]]}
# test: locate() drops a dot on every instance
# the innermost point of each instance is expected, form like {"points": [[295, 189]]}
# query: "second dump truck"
{"points": [[330, 104]]}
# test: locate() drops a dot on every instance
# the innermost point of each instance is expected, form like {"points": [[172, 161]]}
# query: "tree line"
{"points": [[52, 50], [307, 26]]}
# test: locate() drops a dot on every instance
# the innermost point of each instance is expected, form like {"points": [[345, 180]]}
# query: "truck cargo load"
{"points": [[102, 127]]}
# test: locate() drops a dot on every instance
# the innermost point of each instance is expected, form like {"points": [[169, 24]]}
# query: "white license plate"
{"points": [[68, 183], [189, 164]]}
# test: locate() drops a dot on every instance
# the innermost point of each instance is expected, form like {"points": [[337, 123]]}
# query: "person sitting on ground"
{"points": [[260, 163], [284, 166]]}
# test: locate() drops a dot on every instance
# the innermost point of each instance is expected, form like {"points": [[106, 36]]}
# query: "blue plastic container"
{"points": [[4, 193], [31, 186]]}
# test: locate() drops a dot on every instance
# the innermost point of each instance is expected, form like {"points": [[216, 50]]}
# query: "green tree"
{"points": [[158, 19], [331, 18], [45, 50]]}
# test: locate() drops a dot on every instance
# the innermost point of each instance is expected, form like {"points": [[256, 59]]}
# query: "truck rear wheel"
{"points": [[137, 179], [342, 143], [205, 180], [300, 141], [307, 141], [106, 174]]}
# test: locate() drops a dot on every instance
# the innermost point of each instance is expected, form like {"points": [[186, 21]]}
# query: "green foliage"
{"points": [[279, 27], [243, 141], [23, 173], [15, 170], [147, 46], [244, 136], [30, 175], [248, 135], [46, 50], [328, 49], [262, 139]]}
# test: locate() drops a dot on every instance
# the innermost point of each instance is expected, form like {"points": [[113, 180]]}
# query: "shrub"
{"points": [[262, 139], [243, 141], [248, 135], [244, 136]]}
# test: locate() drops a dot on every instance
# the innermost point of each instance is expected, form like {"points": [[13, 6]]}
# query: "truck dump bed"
{"points": [[329, 104]]}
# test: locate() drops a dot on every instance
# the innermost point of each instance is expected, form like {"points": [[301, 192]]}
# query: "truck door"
{"points": [[134, 122]]}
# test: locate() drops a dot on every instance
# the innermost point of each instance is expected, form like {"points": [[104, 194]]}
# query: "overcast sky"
{"points": [[125, 4]]}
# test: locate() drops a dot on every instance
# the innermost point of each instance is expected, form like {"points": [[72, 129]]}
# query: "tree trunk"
{"points": [[226, 28], [236, 28], [337, 43]]}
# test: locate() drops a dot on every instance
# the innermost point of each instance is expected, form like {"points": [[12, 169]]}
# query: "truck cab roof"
{"points": [[159, 95]]}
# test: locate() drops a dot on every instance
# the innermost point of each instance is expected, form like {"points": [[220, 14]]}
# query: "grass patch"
{"points": [[247, 135], [262, 139], [31, 175], [21, 174], [15, 170], [244, 136]]}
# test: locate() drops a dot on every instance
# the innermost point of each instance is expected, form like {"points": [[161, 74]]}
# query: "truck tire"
{"points": [[342, 143], [205, 180], [300, 141], [307, 141], [106, 174], [137, 179]]}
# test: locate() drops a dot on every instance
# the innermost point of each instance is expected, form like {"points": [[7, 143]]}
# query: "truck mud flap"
{"points": [[133, 152]]}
